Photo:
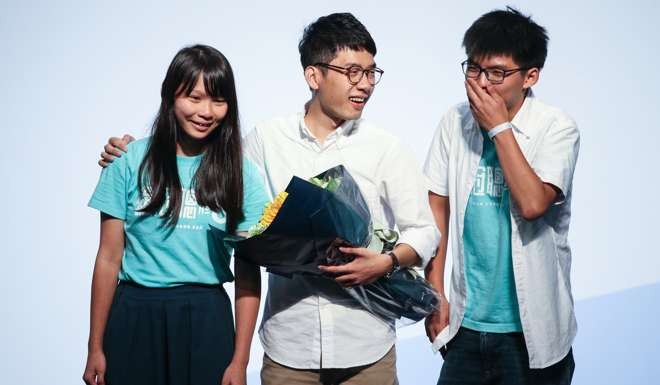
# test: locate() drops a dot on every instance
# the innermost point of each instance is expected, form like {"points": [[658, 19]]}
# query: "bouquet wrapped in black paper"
{"points": [[306, 224]]}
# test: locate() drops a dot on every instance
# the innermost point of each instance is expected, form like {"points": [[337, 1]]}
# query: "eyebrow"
{"points": [[494, 67], [373, 65]]}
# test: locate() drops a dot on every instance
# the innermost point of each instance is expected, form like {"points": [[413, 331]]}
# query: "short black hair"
{"points": [[507, 32], [323, 38]]}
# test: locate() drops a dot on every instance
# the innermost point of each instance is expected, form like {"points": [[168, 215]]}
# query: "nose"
{"points": [[205, 109], [364, 85], [482, 80]]}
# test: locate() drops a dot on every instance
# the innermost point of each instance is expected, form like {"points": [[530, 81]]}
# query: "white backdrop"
{"points": [[74, 73]]}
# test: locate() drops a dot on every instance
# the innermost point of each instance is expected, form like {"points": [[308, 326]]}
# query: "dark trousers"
{"points": [[168, 336], [478, 358]]}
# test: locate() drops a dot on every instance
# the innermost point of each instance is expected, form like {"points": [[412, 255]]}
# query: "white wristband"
{"points": [[499, 128]]}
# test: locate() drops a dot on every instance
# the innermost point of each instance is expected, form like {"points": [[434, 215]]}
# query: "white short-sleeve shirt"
{"points": [[549, 140]]}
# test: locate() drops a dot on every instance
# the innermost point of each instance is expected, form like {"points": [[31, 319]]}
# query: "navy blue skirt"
{"points": [[182, 335]]}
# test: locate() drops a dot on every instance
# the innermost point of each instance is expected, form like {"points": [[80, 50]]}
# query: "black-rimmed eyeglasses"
{"points": [[355, 73], [494, 75]]}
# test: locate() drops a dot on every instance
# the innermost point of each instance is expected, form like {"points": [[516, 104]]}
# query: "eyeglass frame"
{"points": [[346, 70], [506, 73]]}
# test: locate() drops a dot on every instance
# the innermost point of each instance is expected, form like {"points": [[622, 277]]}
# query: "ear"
{"points": [[313, 76], [531, 77]]}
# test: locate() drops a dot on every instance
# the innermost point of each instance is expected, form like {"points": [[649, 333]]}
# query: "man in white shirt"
{"points": [[502, 164], [312, 331]]}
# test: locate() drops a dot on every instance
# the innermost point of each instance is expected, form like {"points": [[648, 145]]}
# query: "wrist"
{"points": [[239, 362], [385, 263], [394, 264], [94, 346], [498, 129]]}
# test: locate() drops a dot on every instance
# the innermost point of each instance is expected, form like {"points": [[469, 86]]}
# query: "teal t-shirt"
{"points": [[492, 304], [156, 255]]}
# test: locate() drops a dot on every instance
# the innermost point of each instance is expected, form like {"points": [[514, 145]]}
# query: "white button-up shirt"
{"points": [[549, 140], [311, 323]]}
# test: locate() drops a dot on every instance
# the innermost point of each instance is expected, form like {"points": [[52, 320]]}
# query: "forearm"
{"points": [[406, 255], [435, 270], [531, 195], [104, 284], [247, 299]]}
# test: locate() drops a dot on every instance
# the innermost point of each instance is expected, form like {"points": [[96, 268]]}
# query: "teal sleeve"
{"points": [[254, 196], [110, 195]]}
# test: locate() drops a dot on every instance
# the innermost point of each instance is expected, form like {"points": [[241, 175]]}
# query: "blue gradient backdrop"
{"points": [[74, 73]]}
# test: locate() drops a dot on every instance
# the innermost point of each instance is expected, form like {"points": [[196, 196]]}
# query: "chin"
{"points": [[196, 135], [353, 115]]}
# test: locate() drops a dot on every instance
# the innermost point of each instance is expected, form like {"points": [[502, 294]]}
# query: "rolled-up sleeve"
{"points": [[555, 160], [407, 195], [253, 149], [436, 165]]}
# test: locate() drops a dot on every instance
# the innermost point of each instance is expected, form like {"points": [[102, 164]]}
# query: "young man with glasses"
{"points": [[312, 331], [502, 164]]}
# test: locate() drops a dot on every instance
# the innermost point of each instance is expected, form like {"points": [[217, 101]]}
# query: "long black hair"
{"points": [[218, 182]]}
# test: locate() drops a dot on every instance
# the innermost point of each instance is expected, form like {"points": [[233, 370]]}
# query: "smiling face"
{"points": [[198, 114], [338, 99]]}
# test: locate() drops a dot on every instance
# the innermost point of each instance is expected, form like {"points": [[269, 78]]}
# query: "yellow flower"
{"points": [[271, 210]]}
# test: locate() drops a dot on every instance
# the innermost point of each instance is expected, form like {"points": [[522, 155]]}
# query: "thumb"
{"points": [[100, 378], [355, 251]]}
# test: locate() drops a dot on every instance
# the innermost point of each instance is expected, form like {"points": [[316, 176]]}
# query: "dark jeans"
{"points": [[474, 357]]}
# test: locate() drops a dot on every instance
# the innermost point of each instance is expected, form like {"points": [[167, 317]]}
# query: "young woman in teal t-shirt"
{"points": [[159, 313]]}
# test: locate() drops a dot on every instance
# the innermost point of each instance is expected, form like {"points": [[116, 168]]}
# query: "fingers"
{"points": [[356, 251], [477, 94], [113, 150], [340, 269], [128, 138], [226, 380], [431, 331], [434, 333], [344, 274], [347, 280], [471, 87], [108, 157], [492, 91], [119, 143], [91, 378]]}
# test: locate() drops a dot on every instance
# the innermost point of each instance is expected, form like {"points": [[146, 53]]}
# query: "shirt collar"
{"points": [[521, 116], [344, 129]]}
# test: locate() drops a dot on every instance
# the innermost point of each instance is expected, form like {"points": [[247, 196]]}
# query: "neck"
{"points": [[186, 146], [319, 122], [514, 110]]}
